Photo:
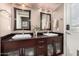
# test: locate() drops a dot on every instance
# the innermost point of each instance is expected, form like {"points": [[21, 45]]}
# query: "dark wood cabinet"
{"points": [[39, 46]]}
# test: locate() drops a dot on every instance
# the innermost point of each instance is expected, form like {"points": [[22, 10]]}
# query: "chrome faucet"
{"points": [[23, 31], [48, 31]]}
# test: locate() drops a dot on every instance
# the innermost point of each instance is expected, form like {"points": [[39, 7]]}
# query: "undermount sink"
{"points": [[21, 36], [50, 34]]}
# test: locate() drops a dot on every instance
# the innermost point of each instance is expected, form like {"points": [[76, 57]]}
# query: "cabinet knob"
{"points": [[41, 46], [41, 41]]}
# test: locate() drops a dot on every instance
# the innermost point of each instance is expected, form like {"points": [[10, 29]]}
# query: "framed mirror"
{"points": [[45, 21], [22, 19]]}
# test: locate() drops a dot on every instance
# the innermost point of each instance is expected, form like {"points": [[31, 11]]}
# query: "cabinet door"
{"points": [[58, 48], [50, 49], [55, 47], [29, 51], [11, 53], [59, 45]]}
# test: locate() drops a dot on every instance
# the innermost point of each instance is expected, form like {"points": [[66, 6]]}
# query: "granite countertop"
{"points": [[41, 36], [9, 38]]}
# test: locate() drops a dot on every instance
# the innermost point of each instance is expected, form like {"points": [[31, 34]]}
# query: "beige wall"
{"points": [[58, 14], [6, 23], [35, 19], [5, 20]]}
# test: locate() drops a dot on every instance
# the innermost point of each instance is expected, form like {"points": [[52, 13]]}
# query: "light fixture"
{"points": [[23, 5], [44, 10], [5, 12], [40, 9]]}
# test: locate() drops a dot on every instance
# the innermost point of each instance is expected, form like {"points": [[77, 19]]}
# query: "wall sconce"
{"points": [[5, 12], [23, 6], [40, 9], [44, 10]]}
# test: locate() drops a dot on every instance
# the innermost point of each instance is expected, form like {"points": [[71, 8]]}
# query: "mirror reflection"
{"points": [[22, 19], [45, 21]]}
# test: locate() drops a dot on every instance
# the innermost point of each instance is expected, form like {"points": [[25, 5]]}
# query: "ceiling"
{"points": [[48, 6]]}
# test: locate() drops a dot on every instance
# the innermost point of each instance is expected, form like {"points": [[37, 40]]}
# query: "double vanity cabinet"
{"points": [[35, 46]]}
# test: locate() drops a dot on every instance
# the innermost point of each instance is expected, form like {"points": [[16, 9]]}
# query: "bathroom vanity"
{"points": [[37, 46]]}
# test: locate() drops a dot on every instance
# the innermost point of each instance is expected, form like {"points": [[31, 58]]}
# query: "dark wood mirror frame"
{"points": [[41, 16], [27, 21]]}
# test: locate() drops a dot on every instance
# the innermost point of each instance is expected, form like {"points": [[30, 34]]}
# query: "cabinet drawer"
{"points": [[58, 39], [41, 41], [51, 40], [41, 49], [41, 46]]}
